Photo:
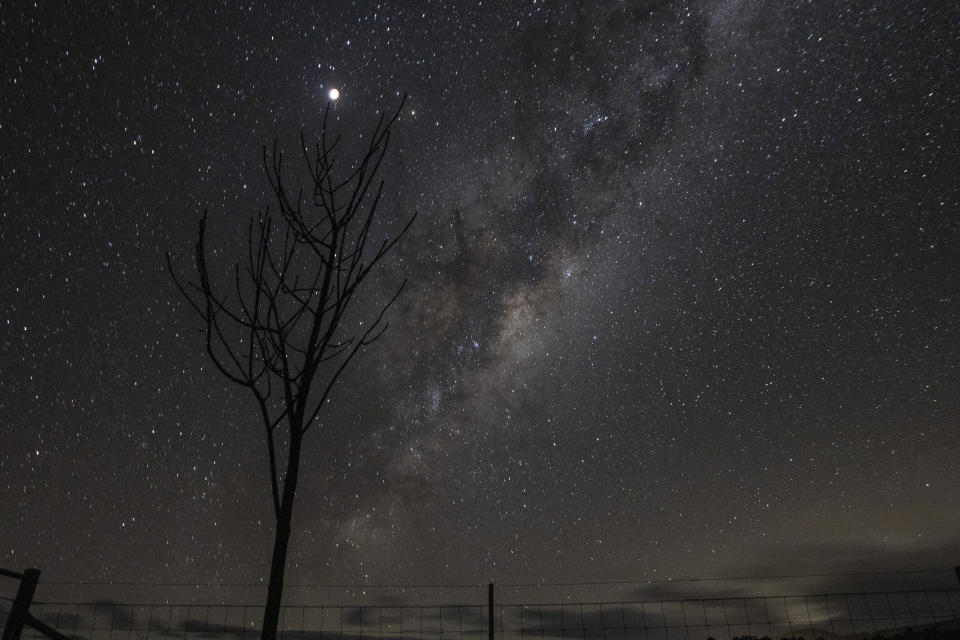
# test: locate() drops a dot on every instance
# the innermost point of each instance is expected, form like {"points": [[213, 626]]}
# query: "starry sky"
{"points": [[683, 289]]}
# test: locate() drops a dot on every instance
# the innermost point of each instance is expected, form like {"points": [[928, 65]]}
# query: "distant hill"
{"points": [[943, 630]]}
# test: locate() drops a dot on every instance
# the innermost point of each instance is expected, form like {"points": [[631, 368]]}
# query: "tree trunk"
{"points": [[278, 565], [271, 613]]}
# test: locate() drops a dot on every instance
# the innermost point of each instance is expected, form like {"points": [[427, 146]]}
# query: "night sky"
{"points": [[683, 299]]}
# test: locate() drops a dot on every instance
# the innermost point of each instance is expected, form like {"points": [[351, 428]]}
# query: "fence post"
{"points": [[489, 610], [20, 611]]}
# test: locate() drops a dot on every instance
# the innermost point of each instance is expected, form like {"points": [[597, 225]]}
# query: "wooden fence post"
{"points": [[20, 611], [489, 610]]}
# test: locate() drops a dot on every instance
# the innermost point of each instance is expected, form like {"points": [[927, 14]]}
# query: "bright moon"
{"points": [[334, 94]]}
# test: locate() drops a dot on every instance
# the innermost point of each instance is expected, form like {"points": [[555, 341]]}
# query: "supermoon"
{"points": [[334, 94]]}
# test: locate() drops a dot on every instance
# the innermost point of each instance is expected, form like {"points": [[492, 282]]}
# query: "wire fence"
{"points": [[928, 614]]}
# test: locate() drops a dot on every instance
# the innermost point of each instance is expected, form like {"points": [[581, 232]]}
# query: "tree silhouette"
{"points": [[281, 326]]}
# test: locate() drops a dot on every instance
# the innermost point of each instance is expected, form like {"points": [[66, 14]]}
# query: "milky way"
{"points": [[682, 291]]}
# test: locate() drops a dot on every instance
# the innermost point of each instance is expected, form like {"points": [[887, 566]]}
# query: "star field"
{"points": [[682, 291]]}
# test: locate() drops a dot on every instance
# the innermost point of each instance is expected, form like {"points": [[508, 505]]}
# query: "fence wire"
{"points": [[902, 614]]}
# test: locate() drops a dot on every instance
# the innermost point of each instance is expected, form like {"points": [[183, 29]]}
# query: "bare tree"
{"points": [[281, 326]]}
